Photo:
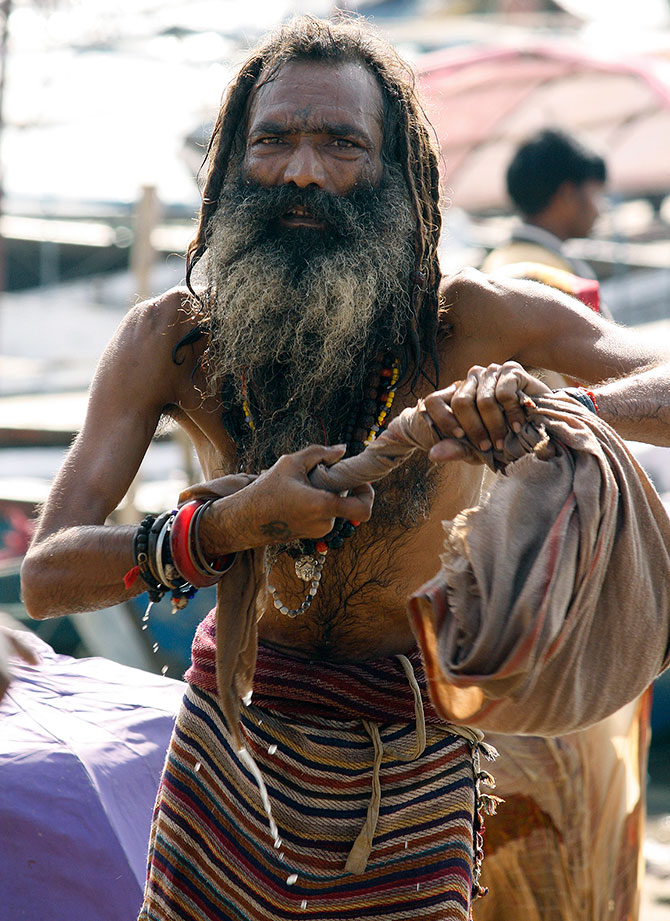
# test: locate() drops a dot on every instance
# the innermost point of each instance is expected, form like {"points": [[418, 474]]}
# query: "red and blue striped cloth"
{"points": [[212, 855]]}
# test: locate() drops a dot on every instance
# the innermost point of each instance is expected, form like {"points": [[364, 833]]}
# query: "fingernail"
{"points": [[517, 427], [500, 444], [484, 445], [458, 433]]}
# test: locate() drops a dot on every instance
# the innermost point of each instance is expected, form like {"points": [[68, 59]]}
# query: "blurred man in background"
{"points": [[556, 185]]}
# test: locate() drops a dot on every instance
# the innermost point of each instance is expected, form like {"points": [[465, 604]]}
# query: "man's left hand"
{"points": [[480, 410]]}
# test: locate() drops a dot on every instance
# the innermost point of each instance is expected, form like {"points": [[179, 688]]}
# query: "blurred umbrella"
{"points": [[82, 745], [484, 102]]}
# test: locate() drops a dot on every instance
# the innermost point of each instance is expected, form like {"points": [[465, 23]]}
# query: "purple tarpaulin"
{"points": [[82, 745]]}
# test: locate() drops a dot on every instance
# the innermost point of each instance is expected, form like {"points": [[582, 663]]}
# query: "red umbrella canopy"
{"points": [[484, 102]]}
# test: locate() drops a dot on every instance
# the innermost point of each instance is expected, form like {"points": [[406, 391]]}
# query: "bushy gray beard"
{"points": [[298, 314]]}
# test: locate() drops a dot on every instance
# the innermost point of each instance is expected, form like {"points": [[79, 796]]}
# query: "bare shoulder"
{"points": [[471, 298], [137, 380], [163, 320], [478, 317], [154, 342]]}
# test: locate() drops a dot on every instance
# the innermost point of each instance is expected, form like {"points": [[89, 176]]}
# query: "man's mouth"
{"points": [[300, 217]]}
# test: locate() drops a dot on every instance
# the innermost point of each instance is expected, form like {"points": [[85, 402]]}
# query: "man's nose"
{"points": [[304, 167]]}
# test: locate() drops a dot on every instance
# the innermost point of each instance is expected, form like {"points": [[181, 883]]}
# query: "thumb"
{"points": [[320, 454], [448, 450]]}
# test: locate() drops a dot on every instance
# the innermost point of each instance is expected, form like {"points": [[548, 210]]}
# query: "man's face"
{"points": [[309, 256], [315, 126]]}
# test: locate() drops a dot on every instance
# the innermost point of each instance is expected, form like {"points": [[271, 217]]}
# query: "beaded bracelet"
{"points": [[153, 562], [141, 556], [583, 396], [169, 557]]}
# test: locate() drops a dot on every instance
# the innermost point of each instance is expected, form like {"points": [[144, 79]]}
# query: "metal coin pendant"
{"points": [[306, 568]]}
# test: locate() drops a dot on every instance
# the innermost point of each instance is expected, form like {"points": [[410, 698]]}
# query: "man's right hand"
{"points": [[281, 505]]}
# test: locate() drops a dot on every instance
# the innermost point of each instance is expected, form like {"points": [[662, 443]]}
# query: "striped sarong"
{"points": [[212, 855]]}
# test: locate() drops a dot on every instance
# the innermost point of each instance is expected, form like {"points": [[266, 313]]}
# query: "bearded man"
{"points": [[314, 312]]}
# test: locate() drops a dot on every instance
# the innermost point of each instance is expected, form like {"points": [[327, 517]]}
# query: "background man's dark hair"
{"points": [[407, 141], [543, 163]]}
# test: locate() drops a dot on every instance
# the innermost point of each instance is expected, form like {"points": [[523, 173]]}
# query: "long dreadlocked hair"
{"points": [[406, 141]]}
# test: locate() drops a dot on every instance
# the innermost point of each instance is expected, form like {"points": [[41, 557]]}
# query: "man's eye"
{"points": [[268, 140], [344, 144]]}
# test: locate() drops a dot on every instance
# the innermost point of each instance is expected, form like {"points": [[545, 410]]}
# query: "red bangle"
{"points": [[180, 547]]}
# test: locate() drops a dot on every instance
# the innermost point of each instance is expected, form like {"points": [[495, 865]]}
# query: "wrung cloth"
{"points": [[551, 608]]}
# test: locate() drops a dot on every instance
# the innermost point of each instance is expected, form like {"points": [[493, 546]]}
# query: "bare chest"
{"points": [[360, 608]]}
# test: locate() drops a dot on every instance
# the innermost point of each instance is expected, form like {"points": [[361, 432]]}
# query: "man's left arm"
{"points": [[638, 406], [539, 327]]}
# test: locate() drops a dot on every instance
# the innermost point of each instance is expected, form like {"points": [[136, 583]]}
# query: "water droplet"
{"points": [[155, 647], [282, 856], [272, 749], [417, 886], [144, 626], [164, 670], [246, 700], [303, 904], [197, 766], [251, 766], [405, 845], [290, 880], [278, 843]]}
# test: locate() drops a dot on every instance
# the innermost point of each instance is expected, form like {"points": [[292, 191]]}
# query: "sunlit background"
{"points": [[105, 110]]}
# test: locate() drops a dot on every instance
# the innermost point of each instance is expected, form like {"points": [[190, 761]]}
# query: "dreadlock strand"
{"points": [[219, 152]]}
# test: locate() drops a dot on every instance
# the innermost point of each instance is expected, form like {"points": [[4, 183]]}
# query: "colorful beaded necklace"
{"points": [[365, 423]]}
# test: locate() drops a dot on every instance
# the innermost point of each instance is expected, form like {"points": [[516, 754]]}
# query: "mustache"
{"points": [[259, 209]]}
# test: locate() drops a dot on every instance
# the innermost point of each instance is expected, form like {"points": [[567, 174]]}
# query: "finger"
{"points": [[358, 505], [513, 380], [447, 450], [309, 457], [23, 650], [489, 410], [438, 407], [221, 486], [465, 409]]}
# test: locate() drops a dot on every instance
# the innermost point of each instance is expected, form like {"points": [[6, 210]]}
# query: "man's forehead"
{"points": [[310, 91]]}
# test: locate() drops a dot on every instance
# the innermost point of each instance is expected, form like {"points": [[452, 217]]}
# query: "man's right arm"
{"points": [[76, 562]]}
